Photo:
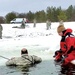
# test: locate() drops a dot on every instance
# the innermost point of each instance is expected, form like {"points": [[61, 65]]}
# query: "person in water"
{"points": [[66, 53], [24, 60]]}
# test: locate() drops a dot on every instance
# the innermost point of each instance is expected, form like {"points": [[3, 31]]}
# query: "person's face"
{"points": [[61, 34]]}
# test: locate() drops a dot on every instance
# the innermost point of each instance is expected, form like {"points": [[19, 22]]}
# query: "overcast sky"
{"points": [[22, 6]]}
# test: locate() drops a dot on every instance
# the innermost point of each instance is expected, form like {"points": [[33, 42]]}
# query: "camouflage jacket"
{"points": [[24, 60]]}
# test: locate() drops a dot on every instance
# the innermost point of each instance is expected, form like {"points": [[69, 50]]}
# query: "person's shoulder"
{"points": [[36, 57], [13, 58], [24, 55]]}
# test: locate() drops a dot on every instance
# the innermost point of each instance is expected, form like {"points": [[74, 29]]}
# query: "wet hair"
{"points": [[24, 51]]}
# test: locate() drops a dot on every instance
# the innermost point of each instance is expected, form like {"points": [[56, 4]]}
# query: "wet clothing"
{"points": [[58, 55], [67, 43], [67, 46], [24, 60]]}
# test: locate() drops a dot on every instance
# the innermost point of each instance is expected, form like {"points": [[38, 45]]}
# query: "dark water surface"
{"points": [[45, 68]]}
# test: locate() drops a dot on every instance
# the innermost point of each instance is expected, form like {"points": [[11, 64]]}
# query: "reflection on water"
{"points": [[46, 67], [65, 70], [21, 69]]}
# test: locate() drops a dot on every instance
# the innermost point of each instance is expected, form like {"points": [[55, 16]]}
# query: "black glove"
{"points": [[56, 52]]}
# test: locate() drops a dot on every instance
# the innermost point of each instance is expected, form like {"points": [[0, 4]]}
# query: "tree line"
{"points": [[52, 13]]}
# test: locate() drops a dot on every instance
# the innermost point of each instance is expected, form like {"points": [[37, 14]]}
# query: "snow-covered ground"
{"points": [[33, 36]]}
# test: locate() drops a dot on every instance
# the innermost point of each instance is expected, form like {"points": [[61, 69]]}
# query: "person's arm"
{"points": [[37, 59], [11, 62]]}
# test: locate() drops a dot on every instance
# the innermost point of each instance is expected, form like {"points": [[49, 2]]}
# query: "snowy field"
{"points": [[38, 41], [33, 36]]}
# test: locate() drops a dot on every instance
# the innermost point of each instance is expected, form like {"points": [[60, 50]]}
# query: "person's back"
{"points": [[24, 60]]}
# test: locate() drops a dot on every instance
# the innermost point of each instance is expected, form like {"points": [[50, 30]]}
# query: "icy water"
{"points": [[46, 67]]}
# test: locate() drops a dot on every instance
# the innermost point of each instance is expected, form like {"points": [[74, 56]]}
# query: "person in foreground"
{"points": [[25, 59], [66, 53]]}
